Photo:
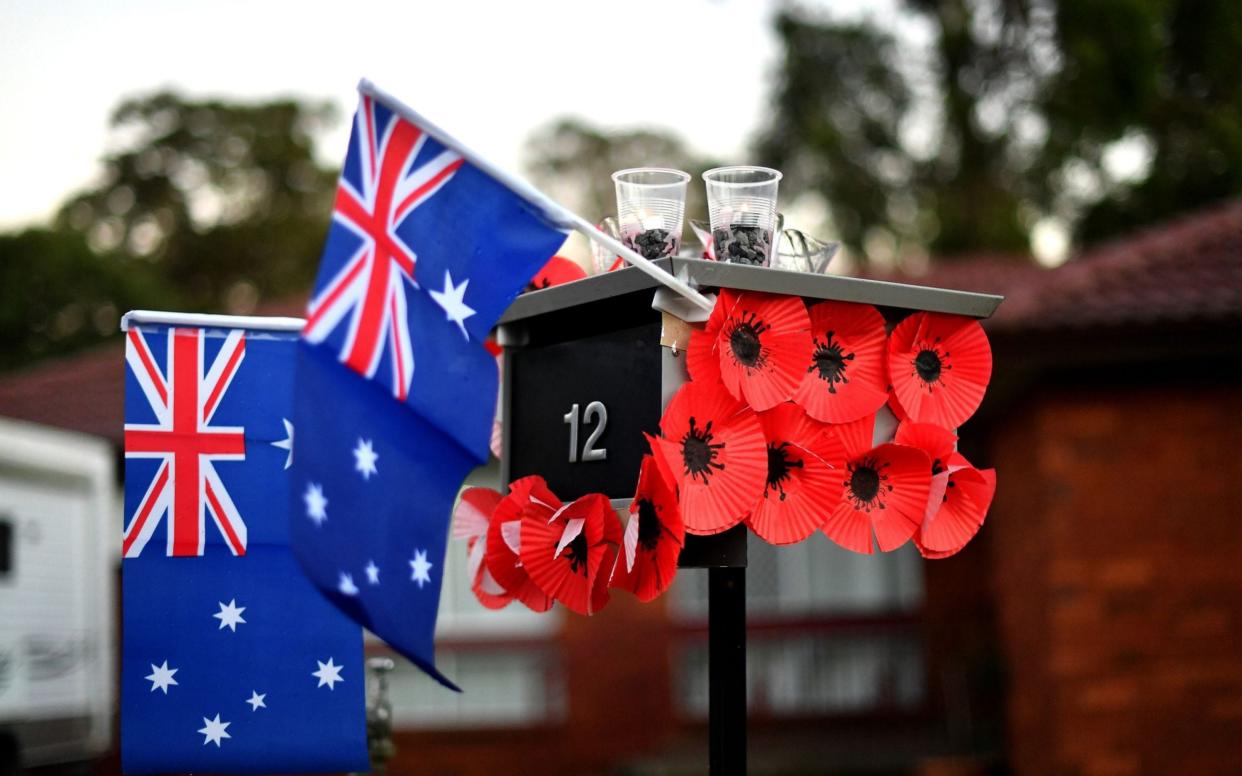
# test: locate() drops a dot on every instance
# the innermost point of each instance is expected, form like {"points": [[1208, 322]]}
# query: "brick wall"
{"points": [[1116, 553]]}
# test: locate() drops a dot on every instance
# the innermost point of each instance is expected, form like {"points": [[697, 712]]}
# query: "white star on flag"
{"points": [[372, 572], [453, 300], [286, 443], [328, 674], [214, 731], [230, 615], [256, 700], [365, 458], [419, 568], [316, 504], [161, 677], [346, 585]]}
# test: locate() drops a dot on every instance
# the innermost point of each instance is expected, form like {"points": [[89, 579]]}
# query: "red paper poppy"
{"points": [[756, 343], [939, 366], [939, 444], [963, 508], [714, 446], [558, 270], [504, 542], [885, 492], [653, 537], [847, 369], [471, 519], [805, 461], [568, 550]]}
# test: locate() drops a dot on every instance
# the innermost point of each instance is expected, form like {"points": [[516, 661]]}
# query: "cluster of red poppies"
{"points": [[531, 547], [777, 426]]}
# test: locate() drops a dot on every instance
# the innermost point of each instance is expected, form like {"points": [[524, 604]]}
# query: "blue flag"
{"points": [[395, 390], [232, 661]]}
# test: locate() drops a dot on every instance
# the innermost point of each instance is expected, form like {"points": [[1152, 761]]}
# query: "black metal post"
{"points": [[726, 672]]}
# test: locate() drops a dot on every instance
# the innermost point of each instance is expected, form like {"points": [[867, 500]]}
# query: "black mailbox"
{"points": [[585, 375]]}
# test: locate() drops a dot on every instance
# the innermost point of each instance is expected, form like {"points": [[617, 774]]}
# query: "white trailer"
{"points": [[59, 522]]}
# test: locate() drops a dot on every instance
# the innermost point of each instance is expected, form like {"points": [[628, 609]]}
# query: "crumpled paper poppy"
{"points": [[939, 444], [653, 536], [755, 344], [714, 446], [884, 491], [569, 549], [558, 270], [471, 519], [965, 501], [504, 542], [939, 366], [846, 365], [805, 461]]}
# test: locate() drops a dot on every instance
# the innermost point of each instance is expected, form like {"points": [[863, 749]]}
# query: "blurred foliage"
{"points": [[954, 126], [205, 205], [573, 162]]}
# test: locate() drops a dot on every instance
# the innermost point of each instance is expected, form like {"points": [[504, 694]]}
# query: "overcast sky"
{"points": [[489, 72]]}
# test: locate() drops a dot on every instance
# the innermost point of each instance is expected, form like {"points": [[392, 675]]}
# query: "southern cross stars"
{"points": [[453, 300], [229, 615], [328, 674], [161, 677], [286, 443], [372, 572], [256, 700], [214, 731], [316, 504], [365, 458], [346, 584], [419, 567]]}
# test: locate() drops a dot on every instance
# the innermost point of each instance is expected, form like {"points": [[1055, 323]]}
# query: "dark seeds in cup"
{"points": [[742, 244], [653, 244]]}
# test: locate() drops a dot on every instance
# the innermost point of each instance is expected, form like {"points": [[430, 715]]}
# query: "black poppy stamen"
{"points": [[745, 343], [698, 453], [868, 484], [937, 467], [576, 553], [780, 468], [648, 524], [829, 359], [930, 364]]}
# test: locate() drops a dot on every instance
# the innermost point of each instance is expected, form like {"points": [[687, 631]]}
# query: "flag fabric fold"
{"points": [[231, 660], [395, 389]]}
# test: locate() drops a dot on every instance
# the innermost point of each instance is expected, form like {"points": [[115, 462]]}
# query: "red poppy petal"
{"points": [[936, 441], [846, 366], [962, 358], [731, 456], [569, 576], [891, 499], [857, 436], [702, 361], [501, 562], [655, 556], [558, 270], [801, 478], [762, 346], [965, 505]]}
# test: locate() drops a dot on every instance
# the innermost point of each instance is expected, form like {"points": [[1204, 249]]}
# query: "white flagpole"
{"points": [[555, 212]]}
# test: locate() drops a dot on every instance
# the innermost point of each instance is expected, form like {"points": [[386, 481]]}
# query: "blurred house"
{"points": [[1093, 627]]}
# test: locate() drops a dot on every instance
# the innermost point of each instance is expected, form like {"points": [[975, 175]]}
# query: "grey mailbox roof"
{"points": [[715, 274]]}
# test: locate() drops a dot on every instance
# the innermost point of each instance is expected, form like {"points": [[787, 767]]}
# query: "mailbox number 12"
{"points": [[597, 413]]}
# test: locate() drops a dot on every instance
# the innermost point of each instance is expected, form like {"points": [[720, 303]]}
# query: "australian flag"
{"points": [[232, 661], [395, 391]]}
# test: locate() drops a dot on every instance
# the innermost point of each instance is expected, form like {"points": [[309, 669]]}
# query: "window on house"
{"points": [[829, 632]]}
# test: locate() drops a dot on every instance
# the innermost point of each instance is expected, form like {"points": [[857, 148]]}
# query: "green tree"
{"points": [[226, 200], [573, 162], [955, 125]]}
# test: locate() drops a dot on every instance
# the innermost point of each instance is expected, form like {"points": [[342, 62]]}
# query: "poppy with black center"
{"points": [[568, 551], [845, 367], [653, 537], [939, 366], [962, 509], [713, 447], [753, 343], [884, 492], [803, 456]]}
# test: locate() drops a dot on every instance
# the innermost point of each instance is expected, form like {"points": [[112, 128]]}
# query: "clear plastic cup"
{"points": [[741, 205], [651, 209]]}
